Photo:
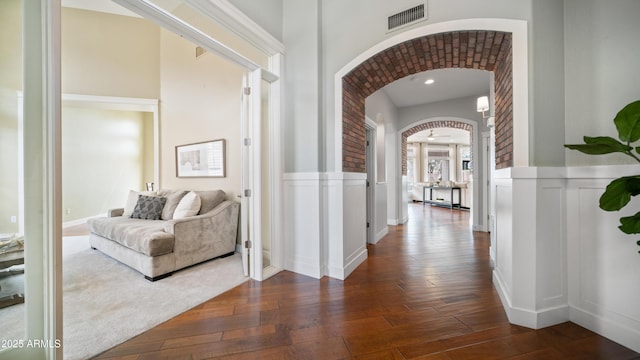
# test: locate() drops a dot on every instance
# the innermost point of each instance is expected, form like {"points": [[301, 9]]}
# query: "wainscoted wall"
{"points": [[325, 223], [603, 262], [559, 257], [303, 251], [381, 228]]}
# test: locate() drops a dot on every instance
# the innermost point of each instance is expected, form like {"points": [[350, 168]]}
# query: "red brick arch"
{"points": [[431, 125], [482, 50]]}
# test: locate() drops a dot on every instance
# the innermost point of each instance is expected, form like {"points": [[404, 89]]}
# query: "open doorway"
{"points": [[440, 169]]}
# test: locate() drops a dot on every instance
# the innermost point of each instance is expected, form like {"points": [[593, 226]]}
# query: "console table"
{"points": [[450, 204]]}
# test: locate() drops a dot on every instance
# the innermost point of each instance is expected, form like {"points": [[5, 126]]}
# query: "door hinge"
{"points": [[247, 244], [247, 142], [247, 193], [367, 183], [368, 225], [247, 91]]}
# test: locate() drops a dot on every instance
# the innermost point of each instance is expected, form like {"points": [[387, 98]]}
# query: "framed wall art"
{"points": [[203, 159]]}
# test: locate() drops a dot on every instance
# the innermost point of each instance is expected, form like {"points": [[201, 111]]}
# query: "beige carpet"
{"points": [[106, 303]]}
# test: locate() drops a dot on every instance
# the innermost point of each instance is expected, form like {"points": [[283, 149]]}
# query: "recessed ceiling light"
{"points": [[429, 81]]}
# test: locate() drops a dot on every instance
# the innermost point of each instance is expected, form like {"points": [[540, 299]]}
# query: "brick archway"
{"points": [[481, 50], [431, 125]]}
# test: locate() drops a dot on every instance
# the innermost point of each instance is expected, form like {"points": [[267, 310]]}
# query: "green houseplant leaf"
{"points": [[630, 224], [628, 122], [600, 145], [619, 193]]}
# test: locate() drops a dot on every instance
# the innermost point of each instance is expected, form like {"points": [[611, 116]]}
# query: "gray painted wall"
{"points": [[266, 13], [579, 55], [601, 70]]}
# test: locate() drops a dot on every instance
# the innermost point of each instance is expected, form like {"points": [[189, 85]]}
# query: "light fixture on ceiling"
{"points": [[429, 81], [482, 105], [430, 137]]}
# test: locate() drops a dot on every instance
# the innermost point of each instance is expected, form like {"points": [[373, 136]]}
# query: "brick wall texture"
{"points": [[482, 50]]}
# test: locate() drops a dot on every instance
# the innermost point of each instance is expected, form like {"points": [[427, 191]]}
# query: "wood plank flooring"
{"points": [[425, 292]]}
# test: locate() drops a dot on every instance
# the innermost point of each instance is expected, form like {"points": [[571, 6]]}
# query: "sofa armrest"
{"points": [[202, 237], [115, 212]]}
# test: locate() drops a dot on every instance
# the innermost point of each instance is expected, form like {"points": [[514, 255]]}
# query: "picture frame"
{"points": [[202, 159]]}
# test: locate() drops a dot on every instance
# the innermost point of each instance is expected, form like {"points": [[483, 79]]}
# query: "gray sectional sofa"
{"points": [[159, 244]]}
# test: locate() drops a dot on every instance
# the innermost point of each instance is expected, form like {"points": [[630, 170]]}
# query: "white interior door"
{"points": [[257, 197], [246, 156]]}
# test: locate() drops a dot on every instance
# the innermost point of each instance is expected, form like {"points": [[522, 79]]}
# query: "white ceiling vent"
{"points": [[407, 17]]}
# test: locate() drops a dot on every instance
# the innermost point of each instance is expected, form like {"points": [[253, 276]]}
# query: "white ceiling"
{"points": [[449, 84], [442, 136]]}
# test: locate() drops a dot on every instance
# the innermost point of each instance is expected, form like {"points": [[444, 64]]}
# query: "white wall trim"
{"points": [[172, 23], [79, 221], [224, 13], [572, 262], [520, 69], [303, 246], [620, 333], [380, 234]]}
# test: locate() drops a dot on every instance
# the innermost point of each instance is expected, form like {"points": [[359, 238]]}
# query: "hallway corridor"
{"points": [[425, 292]]}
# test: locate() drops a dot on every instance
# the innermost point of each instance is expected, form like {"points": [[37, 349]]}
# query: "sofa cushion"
{"points": [[148, 207], [144, 236], [189, 205], [210, 199], [132, 200], [173, 198]]}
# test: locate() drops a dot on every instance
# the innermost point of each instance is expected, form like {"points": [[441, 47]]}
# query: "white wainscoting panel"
{"points": [[530, 270], [551, 253], [355, 222], [503, 271], [381, 227], [604, 264], [303, 251], [344, 199], [550, 231]]}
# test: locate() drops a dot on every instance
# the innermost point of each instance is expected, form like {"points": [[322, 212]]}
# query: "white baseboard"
{"points": [[79, 221], [482, 228], [306, 269], [352, 263], [529, 318], [392, 222], [382, 233], [619, 333]]}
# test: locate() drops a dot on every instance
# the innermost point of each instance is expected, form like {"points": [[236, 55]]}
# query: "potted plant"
{"points": [[619, 192]]}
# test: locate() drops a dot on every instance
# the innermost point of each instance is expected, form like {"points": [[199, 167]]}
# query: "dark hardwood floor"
{"points": [[425, 292]]}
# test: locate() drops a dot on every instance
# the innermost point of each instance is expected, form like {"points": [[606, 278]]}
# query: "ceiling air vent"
{"points": [[406, 17]]}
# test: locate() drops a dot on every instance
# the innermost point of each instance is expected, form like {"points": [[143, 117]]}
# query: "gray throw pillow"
{"points": [[148, 207]]}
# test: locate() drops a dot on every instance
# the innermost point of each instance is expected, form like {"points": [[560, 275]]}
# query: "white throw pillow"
{"points": [[132, 200], [189, 205]]}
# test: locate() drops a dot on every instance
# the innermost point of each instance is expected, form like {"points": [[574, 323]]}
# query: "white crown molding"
{"points": [[224, 13], [170, 22]]}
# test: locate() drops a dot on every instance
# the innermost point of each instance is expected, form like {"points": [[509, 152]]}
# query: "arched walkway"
{"points": [[481, 50], [432, 125]]}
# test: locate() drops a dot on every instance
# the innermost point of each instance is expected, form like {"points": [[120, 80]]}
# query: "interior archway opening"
{"points": [[481, 50]]}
